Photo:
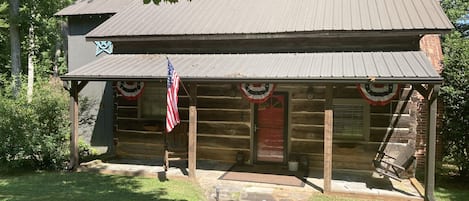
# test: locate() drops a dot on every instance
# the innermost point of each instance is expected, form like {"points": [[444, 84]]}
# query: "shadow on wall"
{"points": [[96, 120]]}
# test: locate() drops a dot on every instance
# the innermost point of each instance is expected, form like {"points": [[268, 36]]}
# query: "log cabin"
{"points": [[330, 83]]}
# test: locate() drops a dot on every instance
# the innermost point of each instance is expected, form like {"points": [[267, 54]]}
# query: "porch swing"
{"points": [[393, 166], [388, 162]]}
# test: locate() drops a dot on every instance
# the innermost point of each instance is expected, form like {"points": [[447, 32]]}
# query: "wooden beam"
{"points": [[328, 133], [418, 186], [74, 119], [81, 85], [431, 146], [421, 89], [434, 93], [192, 160]]}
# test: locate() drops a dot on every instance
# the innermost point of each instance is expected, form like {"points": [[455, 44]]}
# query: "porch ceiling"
{"points": [[336, 67]]}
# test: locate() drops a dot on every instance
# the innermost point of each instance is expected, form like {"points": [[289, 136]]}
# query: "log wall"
{"points": [[136, 137], [307, 127], [224, 126], [224, 123]]}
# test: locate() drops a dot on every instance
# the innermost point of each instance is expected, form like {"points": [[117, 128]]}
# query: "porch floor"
{"points": [[362, 185]]}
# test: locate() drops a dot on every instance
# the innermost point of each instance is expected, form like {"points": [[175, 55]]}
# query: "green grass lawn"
{"points": [[90, 186], [451, 188]]}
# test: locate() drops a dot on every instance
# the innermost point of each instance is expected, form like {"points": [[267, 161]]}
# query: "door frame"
{"points": [[285, 131]]}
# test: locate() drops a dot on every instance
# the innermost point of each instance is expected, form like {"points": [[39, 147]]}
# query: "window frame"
{"points": [[366, 118], [149, 86]]}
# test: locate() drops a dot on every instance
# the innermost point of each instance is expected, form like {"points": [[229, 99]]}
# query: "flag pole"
{"points": [[183, 86]]}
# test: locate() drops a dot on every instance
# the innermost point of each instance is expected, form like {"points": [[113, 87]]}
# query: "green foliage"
{"points": [[47, 36], [85, 150], [3, 11], [455, 9], [455, 90], [4, 35], [455, 94], [34, 135]]}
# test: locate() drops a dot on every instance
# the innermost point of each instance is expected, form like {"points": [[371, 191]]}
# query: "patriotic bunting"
{"points": [[130, 90], [257, 93], [378, 94]]}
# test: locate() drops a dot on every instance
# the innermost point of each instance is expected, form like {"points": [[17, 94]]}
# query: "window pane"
{"points": [[348, 121], [153, 103]]}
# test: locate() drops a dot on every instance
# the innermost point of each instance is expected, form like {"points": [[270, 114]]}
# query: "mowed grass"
{"points": [[91, 186], [449, 186]]}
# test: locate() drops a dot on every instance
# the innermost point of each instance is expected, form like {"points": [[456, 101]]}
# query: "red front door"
{"points": [[270, 129]]}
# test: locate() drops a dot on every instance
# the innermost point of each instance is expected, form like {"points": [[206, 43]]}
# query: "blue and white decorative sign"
{"points": [[103, 46]]}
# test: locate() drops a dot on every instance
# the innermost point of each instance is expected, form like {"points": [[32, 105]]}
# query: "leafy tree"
{"points": [[15, 48], [455, 90], [33, 132], [46, 48], [4, 32]]}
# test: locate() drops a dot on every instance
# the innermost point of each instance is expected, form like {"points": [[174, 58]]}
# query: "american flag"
{"points": [[172, 114]]}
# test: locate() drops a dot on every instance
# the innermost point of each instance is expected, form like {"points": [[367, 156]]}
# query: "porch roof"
{"points": [[333, 67]]}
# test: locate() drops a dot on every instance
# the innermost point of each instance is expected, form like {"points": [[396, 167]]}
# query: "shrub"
{"points": [[34, 135], [455, 94]]}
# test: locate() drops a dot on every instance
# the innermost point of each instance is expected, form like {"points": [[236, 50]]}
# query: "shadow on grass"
{"points": [[451, 188], [448, 185], [82, 186]]}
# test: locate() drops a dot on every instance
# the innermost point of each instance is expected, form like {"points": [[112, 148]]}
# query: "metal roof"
{"points": [[200, 17], [93, 7], [354, 67]]}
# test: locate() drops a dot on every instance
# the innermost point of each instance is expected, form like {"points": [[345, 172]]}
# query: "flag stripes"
{"points": [[172, 113]]}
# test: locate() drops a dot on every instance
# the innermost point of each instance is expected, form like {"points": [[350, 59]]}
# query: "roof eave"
{"points": [[247, 36], [58, 14], [402, 80]]}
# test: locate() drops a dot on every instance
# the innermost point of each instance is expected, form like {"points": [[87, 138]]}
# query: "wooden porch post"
{"points": [[192, 131], [74, 130], [328, 132], [431, 144]]}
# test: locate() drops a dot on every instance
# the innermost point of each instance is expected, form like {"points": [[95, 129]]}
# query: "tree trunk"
{"points": [[15, 46], [31, 62], [30, 76]]}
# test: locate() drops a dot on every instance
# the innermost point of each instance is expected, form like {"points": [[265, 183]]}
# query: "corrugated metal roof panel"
{"points": [[265, 16], [281, 67], [87, 7]]}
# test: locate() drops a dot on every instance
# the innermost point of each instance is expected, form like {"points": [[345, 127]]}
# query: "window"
{"points": [[153, 101], [351, 119]]}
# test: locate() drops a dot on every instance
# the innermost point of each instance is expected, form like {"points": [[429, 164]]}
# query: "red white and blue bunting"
{"points": [[378, 94], [257, 93], [130, 90]]}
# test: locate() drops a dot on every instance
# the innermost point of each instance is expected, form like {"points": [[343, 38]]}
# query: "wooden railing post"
{"points": [[431, 144], [192, 160], [74, 131], [328, 133]]}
